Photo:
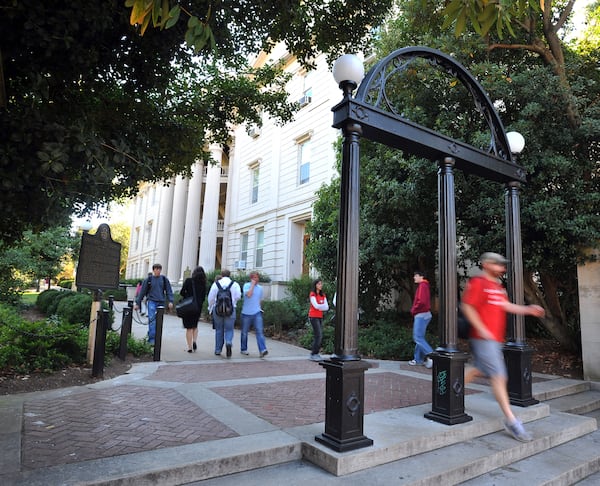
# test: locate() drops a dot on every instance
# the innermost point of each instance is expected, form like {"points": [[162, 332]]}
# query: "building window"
{"points": [[243, 249], [255, 174], [260, 243], [136, 245], [304, 161]]}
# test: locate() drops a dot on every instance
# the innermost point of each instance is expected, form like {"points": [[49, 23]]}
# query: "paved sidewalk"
{"points": [[185, 400]]}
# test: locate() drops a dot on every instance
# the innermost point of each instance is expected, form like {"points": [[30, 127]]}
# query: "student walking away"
{"points": [[195, 287], [252, 315], [485, 304], [222, 299], [318, 305], [157, 290], [421, 312]]}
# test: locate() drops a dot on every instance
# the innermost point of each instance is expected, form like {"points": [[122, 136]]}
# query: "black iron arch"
{"points": [[370, 115], [380, 122]]}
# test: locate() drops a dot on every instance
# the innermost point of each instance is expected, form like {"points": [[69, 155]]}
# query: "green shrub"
{"points": [[136, 347], [45, 345], [46, 298], [280, 315], [299, 289], [53, 305], [75, 308]]}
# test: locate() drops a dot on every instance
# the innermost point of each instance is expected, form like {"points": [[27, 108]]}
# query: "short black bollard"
{"points": [[125, 331], [130, 305], [160, 313], [111, 301], [100, 343]]}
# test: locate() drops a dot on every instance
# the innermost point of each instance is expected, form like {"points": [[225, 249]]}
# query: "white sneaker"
{"points": [[428, 363], [315, 357]]}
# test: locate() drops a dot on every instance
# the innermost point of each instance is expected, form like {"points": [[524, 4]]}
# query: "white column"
{"points": [[177, 227], [210, 213], [163, 228], [189, 257]]}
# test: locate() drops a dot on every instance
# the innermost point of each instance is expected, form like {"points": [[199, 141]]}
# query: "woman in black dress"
{"points": [[190, 322]]}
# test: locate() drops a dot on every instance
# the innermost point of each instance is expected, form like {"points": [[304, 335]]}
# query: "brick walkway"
{"points": [[132, 418]]}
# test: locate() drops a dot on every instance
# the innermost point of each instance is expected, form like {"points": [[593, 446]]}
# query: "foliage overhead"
{"points": [[89, 107]]}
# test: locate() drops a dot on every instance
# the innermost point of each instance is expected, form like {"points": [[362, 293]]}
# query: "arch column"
{"points": [[344, 404], [192, 219], [517, 353], [210, 213], [177, 229], [448, 374]]}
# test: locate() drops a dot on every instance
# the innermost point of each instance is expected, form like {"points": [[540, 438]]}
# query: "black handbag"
{"points": [[187, 306]]}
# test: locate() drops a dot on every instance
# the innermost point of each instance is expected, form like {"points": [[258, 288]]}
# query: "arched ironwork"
{"points": [[373, 90]]}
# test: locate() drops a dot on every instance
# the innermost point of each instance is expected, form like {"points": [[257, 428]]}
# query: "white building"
{"points": [[251, 211]]}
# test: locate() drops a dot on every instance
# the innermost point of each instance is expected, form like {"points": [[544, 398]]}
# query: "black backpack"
{"points": [[224, 302]]}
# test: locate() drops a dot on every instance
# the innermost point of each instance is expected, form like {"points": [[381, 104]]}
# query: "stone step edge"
{"points": [[580, 403], [563, 465], [547, 390], [464, 461], [170, 466], [416, 434]]}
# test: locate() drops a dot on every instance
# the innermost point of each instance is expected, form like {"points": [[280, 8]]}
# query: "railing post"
{"points": [[125, 331], [100, 343], [160, 313]]}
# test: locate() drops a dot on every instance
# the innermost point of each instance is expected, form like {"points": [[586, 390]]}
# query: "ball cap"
{"points": [[492, 257]]}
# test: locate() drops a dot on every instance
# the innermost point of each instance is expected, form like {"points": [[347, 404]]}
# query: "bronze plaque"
{"points": [[99, 260]]}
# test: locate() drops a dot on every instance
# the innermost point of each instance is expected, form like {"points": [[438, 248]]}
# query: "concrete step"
{"points": [[169, 466], [562, 465], [547, 390], [454, 464], [593, 480], [579, 403]]}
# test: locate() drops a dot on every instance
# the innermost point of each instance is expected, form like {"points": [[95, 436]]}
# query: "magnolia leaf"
{"points": [[173, 17]]}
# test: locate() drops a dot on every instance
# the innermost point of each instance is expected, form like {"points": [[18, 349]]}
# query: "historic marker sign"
{"points": [[99, 260]]}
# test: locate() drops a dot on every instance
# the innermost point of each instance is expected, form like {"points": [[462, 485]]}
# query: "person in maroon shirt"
{"points": [[421, 312]]}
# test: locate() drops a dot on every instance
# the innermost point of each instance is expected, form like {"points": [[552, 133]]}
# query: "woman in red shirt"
{"points": [[318, 305]]}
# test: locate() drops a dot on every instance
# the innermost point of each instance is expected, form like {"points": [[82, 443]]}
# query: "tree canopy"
{"points": [[89, 107], [559, 203]]}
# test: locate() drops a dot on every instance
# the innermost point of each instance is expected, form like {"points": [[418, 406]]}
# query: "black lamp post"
{"points": [[344, 405], [517, 353]]}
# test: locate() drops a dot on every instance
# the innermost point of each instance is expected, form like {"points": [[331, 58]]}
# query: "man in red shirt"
{"points": [[485, 304], [421, 312]]}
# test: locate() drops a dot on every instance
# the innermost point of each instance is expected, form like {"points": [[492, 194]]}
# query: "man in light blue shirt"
{"points": [[252, 315]]}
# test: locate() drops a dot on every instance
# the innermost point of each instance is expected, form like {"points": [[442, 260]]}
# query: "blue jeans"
{"points": [[422, 347], [223, 331], [151, 304], [248, 321], [317, 326]]}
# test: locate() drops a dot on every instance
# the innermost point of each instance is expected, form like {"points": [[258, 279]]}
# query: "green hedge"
{"points": [[45, 345]]}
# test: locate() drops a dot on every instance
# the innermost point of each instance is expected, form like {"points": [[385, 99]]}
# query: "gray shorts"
{"points": [[488, 357]]}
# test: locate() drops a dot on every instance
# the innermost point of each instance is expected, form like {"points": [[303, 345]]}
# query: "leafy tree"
{"points": [[44, 252], [89, 107], [559, 214]]}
